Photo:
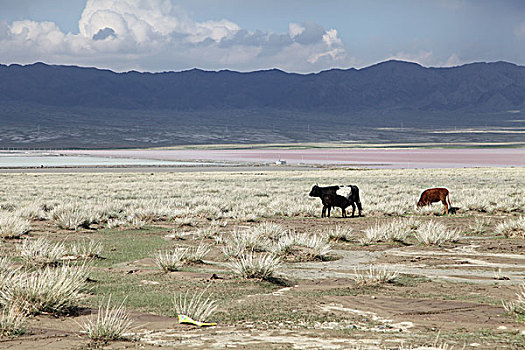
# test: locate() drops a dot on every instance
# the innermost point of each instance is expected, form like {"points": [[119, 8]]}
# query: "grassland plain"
{"points": [[366, 283]]}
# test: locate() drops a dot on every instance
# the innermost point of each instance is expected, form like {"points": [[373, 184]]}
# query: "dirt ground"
{"points": [[451, 293]]}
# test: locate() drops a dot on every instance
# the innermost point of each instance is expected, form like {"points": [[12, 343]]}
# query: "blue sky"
{"points": [[293, 35]]}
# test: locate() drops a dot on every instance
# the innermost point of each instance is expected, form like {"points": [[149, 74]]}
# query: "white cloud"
{"points": [[138, 19], [155, 35], [295, 29], [331, 39], [214, 30]]}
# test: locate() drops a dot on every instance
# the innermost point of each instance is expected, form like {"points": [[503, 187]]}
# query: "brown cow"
{"points": [[433, 195]]}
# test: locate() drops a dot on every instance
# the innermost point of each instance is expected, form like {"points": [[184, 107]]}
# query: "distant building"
{"points": [[280, 162]]}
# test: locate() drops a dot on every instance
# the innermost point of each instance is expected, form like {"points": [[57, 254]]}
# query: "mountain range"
{"points": [[387, 94]]}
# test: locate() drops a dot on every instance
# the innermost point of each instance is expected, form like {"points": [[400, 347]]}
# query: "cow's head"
{"points": [[316, 191]]}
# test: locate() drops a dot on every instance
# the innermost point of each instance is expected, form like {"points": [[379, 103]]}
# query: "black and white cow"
{"points": [[338, 196]]}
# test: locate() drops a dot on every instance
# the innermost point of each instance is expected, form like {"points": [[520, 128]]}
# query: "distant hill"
{"points": [[387, 94], [491, 87]]}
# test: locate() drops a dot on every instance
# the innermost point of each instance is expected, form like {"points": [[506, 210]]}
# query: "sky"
{"points": [[244, 35]]}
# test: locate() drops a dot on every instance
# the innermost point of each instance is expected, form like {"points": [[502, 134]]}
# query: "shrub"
{"points": [[318, 245], [268, 230], [375, 275], [6, 264], [47, 290], [517, 306], [262, 267], [13, 226], [112, 323], [374, 234], [399, 230], [197, 306], [196, 254], [33, 211], [209, 232], [395, 231], [12, 322], [233, 248], [40, 252], [435, 233], [512, 227], [86, 249], [7, 274], [340, 233], [72, 216], [479, 226], [252, 239], [171, 260]]}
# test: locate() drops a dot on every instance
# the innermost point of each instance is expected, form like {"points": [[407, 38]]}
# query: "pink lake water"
{"points": [[370, 158]]}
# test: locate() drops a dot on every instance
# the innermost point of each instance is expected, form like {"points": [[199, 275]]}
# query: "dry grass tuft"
{"points": [[13, 226], [375, 275], [512, 227], [480, 225], [41, 252], [48, 290], [197, 306], [12, 322], [318, 246], [197, 254], [112, 323], [86, 249], [436, 233], [374, 234], [171, 260], [516, 307], [72, 216], [340, 233], [262, 267]]}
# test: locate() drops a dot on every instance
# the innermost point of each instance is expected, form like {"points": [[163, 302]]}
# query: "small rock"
{"points": [[501, 328]]}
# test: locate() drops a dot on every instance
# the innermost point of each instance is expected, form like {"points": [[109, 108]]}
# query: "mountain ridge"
{"points": [[393, 101]]}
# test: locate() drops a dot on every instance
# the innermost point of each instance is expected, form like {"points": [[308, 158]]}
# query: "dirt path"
{"points": [[461, 264]]}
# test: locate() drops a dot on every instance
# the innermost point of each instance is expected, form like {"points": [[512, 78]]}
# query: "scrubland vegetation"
{"points": [[162, 243]]}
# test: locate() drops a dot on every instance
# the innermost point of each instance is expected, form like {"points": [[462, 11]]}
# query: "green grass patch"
{"points": [[130, 245]]}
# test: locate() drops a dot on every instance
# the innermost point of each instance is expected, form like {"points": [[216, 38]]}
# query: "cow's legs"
{"points": [[359, 207], [353, 209], [329, 207], [343, 212], [445, 207], [323, 212]]}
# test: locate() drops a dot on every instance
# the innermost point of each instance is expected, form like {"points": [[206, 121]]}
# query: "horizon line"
{"points": [[260, 70]]}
